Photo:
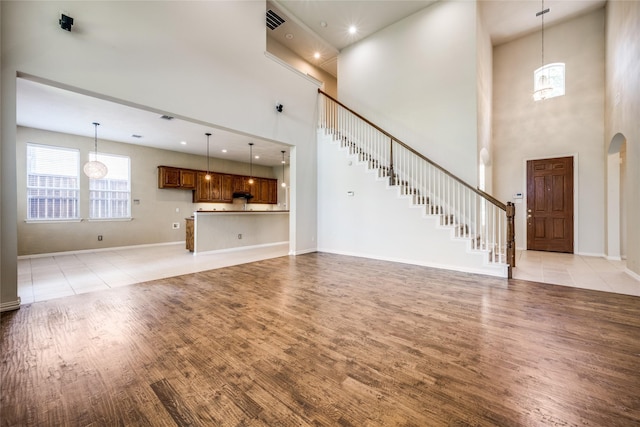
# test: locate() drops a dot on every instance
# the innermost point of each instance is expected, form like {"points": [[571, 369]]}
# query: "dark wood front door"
{"points": [[550, 205]]}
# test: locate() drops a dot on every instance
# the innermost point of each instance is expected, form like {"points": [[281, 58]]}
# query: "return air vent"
{"points": [[164, 116], [273, 20]]}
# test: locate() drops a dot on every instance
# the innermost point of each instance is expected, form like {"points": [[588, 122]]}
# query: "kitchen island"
{"points": [[209, 231]]}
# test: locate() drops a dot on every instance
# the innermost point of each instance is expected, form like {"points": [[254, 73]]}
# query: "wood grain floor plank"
{"points": [[324, 340]]}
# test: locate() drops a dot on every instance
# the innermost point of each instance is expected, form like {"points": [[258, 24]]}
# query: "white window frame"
{"points": [[103, 197], [554, 73], [57, 193]]}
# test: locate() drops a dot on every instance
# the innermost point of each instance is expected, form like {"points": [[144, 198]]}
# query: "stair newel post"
{"points": [[511, 237], [391, 173]]}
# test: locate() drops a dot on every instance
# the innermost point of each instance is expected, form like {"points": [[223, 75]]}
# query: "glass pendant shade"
{"points": [[95, 169]]}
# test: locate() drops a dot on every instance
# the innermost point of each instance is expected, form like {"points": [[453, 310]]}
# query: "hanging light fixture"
{"points": [[251, 163], [543, 86], [284, 184], [95, 169], [208, 175]]}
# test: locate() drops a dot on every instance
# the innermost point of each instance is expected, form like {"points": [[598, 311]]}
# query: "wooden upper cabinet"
{"points": [[220, 188], [226, 188], [187, 179], [170, 177]]}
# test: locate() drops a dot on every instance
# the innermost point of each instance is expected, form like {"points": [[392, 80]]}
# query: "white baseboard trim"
{"points": [[304, 251], [86, 251], [613, 258], [499, 272], [632, 274], [241, 248], [10, 305], [590, 254]]}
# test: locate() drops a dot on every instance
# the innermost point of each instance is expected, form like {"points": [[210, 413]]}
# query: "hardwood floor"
{"points": [[323, 339]]}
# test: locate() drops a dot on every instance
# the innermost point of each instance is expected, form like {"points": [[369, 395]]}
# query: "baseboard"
{"points": [[304, 251], [632, 274], [501, 274], [241, 248], [10, 305], [613, 258], [86, 251], [590, 254]]}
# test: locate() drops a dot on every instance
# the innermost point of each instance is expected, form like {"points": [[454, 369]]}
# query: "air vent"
{"points": [[273, 20], [136, 136], [164, 116]]}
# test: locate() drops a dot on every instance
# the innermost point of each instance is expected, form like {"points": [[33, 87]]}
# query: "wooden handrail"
{"points": [[480, 193]]}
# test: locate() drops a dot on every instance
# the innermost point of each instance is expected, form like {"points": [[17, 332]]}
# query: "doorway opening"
{"points": [[616, 200]]}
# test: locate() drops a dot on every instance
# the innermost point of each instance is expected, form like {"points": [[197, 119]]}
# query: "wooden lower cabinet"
{"points": [[190, 231]]}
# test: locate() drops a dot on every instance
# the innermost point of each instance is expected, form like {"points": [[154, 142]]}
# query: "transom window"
{"points": [[53, 183], [110, 197], [548, 81]]}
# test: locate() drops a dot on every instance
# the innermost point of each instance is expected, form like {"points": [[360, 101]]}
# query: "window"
{"points": [[53, 184], [110, 196], [548, 81]]}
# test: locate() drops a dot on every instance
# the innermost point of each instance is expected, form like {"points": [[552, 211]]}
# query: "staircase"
{"points": [[405, 207]]}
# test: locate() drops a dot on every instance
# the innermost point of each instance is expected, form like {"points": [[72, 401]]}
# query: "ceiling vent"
{"points": [[273, 20], [164, 116]]}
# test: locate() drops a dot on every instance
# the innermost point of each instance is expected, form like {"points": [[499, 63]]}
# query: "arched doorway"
{"points": [[616, 200]]}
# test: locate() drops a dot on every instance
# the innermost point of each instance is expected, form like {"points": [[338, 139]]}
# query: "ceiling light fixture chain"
{"points": [[284, 184], [208, 175], [544, 83], [95, 169], [251, 163]]}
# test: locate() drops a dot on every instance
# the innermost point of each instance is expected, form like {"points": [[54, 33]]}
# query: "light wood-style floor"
{"points": [[324, 340]]}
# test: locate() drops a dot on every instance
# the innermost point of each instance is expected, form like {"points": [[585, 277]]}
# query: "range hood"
{"points": [[242, 195]]}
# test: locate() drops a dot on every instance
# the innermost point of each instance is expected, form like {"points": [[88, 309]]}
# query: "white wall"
{"points": [[571, 125], [623, 110], [485, 101], [202, 60], [417, 80]]}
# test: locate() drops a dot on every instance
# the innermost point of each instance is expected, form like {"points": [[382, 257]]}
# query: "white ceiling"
{"points": [[46, 107]]}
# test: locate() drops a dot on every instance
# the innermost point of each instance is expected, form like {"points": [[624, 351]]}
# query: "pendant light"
{"points": [[251, 163], [284, 184], [95, 169], [543, 86], [208, 175]]}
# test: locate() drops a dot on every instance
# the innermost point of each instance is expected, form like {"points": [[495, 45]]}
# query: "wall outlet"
{"points": [[175, 225], [99, 237], [239, 236]]}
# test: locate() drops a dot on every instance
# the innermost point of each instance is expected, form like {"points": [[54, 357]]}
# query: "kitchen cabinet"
{"points": [[221, 186], [190, 229], [170, 177], [217, 189]]}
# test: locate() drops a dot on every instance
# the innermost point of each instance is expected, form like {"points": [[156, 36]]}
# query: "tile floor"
{"points": [[48, 277], [578, 271]]}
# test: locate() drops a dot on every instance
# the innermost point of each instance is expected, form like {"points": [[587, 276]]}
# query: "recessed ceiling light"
{"points": [[316, 55], [323, 24], [183, 142], [352, 29], [256, 157], [224, 150], [288, 36]]}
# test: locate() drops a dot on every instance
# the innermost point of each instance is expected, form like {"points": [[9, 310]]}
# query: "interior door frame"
{"points": [[521, 219]]}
